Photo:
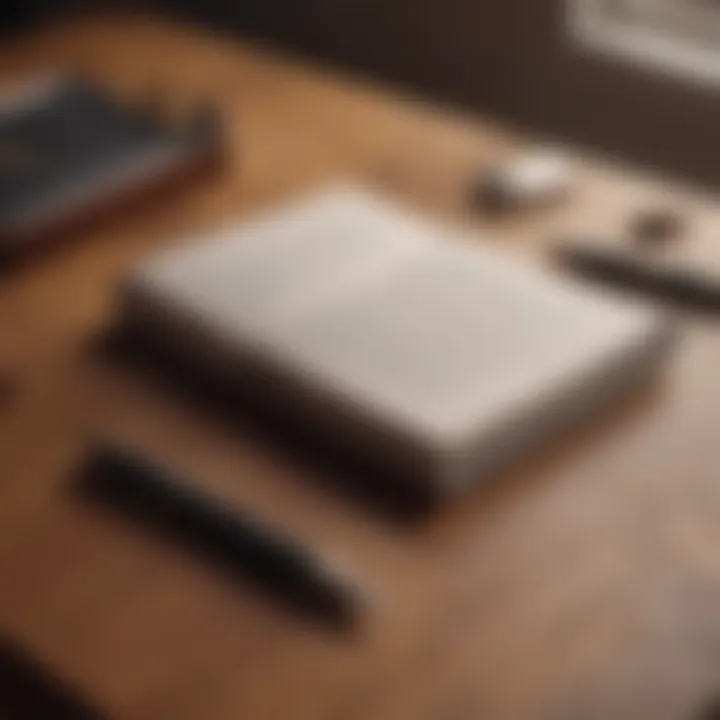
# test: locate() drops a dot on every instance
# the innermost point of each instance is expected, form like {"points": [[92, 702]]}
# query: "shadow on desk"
{"points": [[401, 498]]}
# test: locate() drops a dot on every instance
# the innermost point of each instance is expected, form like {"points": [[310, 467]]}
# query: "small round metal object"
{"points": [[656, 227], [527, 181]]}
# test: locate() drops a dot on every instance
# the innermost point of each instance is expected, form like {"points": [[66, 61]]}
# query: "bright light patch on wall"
{"points": [[679, 37]]}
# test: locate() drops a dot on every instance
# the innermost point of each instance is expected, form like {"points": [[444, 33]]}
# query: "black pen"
{"points": [[128, 482]]}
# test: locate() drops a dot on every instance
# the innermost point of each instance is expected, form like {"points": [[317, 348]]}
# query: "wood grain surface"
{"points": [[586, 584]]}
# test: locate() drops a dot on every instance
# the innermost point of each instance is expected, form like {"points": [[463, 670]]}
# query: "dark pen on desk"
{"points": [[126, 481]]}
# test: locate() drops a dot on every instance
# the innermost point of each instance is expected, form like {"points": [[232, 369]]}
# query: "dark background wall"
{"points": [[15, 15], [636, 113], [449, 48], [508, 58], [18, 15]]}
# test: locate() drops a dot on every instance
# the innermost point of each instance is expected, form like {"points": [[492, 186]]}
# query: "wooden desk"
{"points": [[587, 585]]}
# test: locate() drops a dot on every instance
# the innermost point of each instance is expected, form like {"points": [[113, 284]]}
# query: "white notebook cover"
{"points": [[435, 353]]}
